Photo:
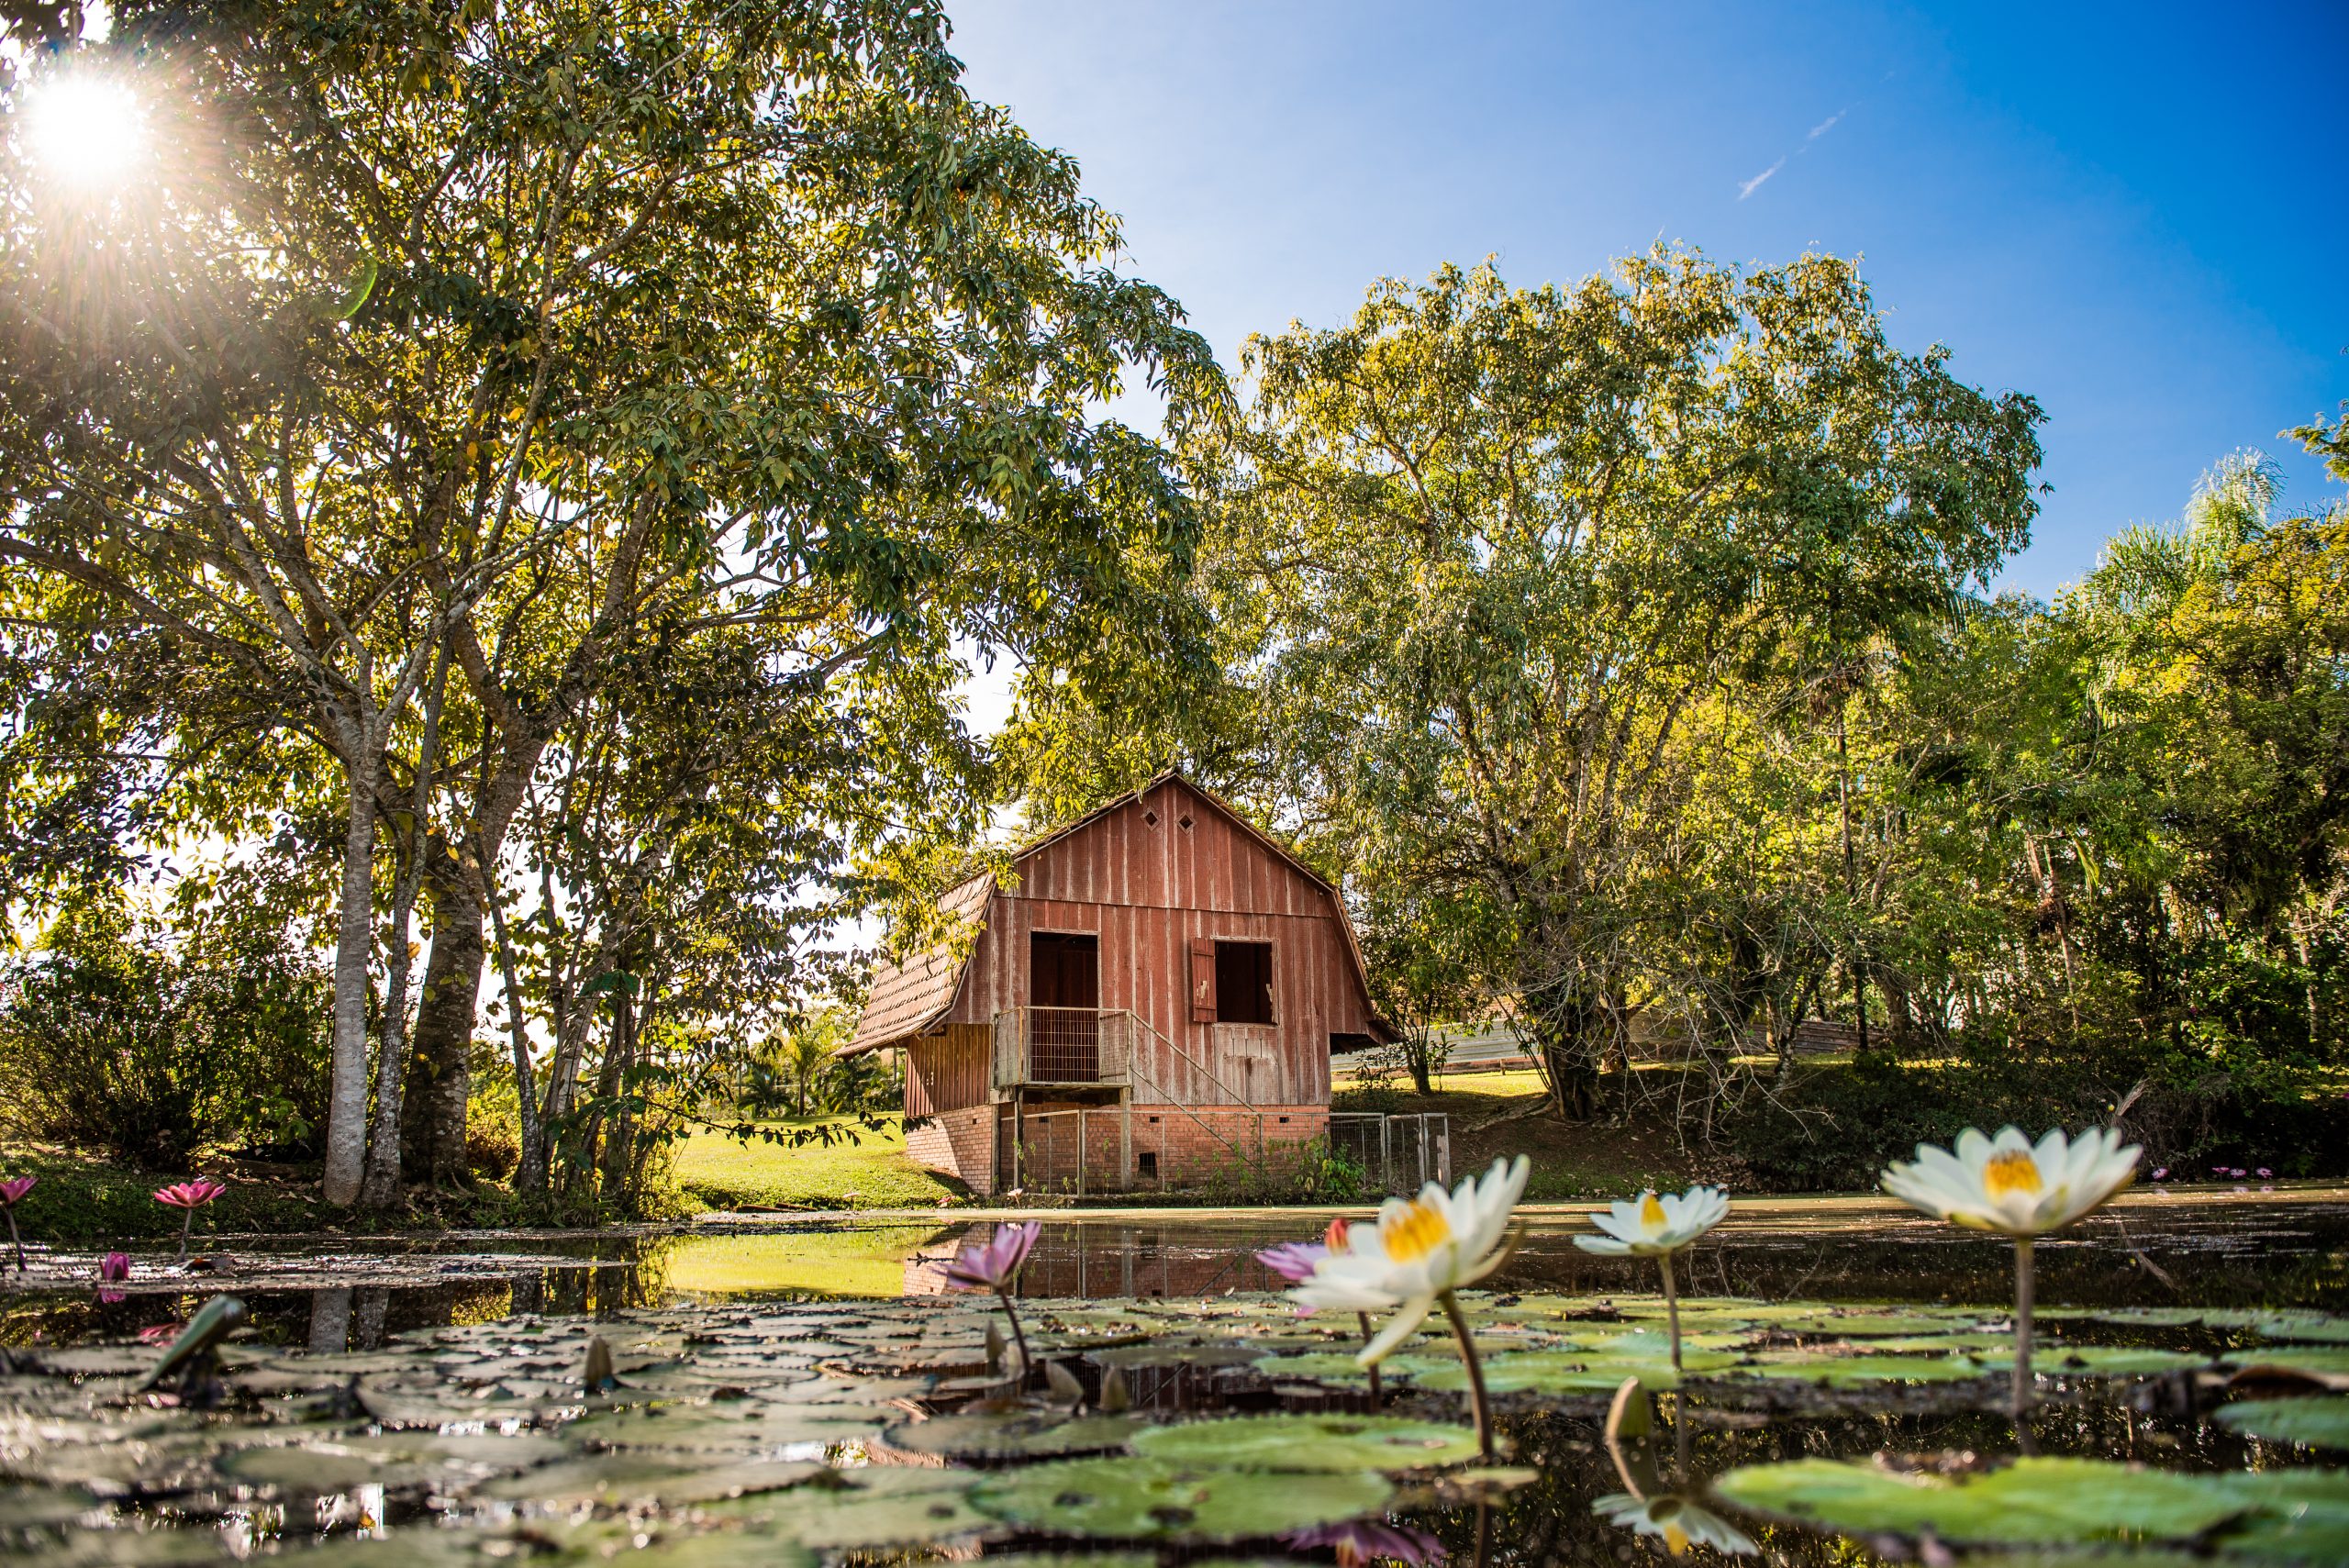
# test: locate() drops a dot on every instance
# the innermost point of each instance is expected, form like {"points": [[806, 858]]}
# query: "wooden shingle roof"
{"points": [[911, 995]]}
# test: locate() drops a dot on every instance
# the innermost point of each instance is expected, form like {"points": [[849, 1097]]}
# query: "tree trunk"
{"points": [[433, 1126], [1418, 1056], [530, 1174], [619, 1153], [354, 985], [381, 1189], [462, 879]]}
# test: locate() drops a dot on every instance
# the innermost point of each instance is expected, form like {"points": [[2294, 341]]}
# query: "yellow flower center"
{"points": [[1415, 1232], [2012, 1172], [1676, 1539], [1651, 1212]]}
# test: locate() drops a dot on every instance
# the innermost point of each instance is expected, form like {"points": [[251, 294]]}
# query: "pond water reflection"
{"points": [[2200, 1248], [781, 1295]]}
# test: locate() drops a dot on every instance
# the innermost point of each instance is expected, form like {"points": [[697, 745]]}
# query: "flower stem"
{"points": [[1377, 1395], [1671, 1307], [14, 1240], [1477, 1402], [1018, 1336], [2023, 1326], [187, 1219]]}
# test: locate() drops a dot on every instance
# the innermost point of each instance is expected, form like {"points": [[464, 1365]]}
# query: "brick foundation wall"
{"points": [[1171, 1147], [960, 1143]]}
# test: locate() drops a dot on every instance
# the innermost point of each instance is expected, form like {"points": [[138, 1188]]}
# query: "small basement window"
{"points": [[1243, 983]]}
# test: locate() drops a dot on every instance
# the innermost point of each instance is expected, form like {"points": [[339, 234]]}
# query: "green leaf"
{"points": [[2324, 1361], [2319, 1423], [872, 1508], [1153, 1498], [618, 1480], [1028, 1435], [2031, 1501], [1848, 1371], [2102, 1360], [1312, 1442]]}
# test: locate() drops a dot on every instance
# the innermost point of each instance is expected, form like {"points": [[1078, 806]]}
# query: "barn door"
{"points": [[1064, 1002], [1202, 980]]}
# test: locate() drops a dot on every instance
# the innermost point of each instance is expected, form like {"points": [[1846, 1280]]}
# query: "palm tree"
{"points": [[804, 1057]]}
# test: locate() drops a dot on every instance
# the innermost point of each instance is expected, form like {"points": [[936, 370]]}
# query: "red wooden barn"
{"points": [[1155, 990]]}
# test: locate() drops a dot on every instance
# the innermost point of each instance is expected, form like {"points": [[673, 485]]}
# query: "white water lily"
{"points": [[2020, 1190], [2009, 1184], [1656, 1223], [1418, 1250], [1412, 1259], [1677, 1521]]}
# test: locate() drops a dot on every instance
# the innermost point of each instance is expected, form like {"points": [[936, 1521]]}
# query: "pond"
{"points": [[782, 1393]]}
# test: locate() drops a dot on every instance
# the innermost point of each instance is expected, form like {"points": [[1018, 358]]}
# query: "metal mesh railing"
{"points": [[1063, 1045], [1399, 1155], [1075, 1151]]}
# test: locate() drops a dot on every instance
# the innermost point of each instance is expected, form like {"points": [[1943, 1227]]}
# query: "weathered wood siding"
{"points": [[1148, 890], [948, 1070]]}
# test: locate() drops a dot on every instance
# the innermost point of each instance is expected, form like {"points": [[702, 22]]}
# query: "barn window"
{"points": [[1243, 983]]}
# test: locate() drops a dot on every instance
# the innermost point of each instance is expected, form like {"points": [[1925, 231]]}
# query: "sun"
{"points": [[84, 129]]}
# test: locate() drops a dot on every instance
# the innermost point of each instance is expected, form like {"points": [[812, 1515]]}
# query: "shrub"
{"points": [[112, 1038], [1836, 1127], [493, 1145]]}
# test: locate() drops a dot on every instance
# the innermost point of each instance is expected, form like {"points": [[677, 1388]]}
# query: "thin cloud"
{"points": [[1748, 187]]}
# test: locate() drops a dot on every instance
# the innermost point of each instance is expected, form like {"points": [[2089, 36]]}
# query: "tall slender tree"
{"points": [[517, 334]]}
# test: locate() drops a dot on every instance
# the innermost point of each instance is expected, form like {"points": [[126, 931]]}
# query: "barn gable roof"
{"points": [[911, 995]]}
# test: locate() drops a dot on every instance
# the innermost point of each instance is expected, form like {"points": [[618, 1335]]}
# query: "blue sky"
{"points": [[2137, 215]]}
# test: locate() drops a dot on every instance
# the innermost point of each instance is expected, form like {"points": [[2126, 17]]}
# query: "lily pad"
{"points": [[1013, 1435], [1848, 1372], [1577, 1372], [2311, 1361], [1151, 1354], [2303, 1517], [2319, 1423], [731, 1428], [618, 1480], [1310, 1442], [2031, 1501], [315, 1469], [2103, 1361], [23, 1507], [872, 1508], [1154, 1499]]}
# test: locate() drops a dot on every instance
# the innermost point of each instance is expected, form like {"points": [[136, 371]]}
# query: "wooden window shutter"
{"points": [[1202, 980]]}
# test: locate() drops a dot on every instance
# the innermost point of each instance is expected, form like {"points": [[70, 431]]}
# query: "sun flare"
{"points": [[85, 129]]}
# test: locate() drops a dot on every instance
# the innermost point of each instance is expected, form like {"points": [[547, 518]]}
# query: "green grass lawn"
{"points": [[82, 1201], [726, 1172], [846, 1262]]}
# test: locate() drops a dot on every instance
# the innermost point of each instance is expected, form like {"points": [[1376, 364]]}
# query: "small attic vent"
{"points": [[1150, 819], [1184, 824]]}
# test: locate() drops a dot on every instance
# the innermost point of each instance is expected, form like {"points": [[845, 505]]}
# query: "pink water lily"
{"points": [[12, 1193], [112, 1269], [187, 1197], [1360, 1541], [1297, 1261], [994, 1264]]}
